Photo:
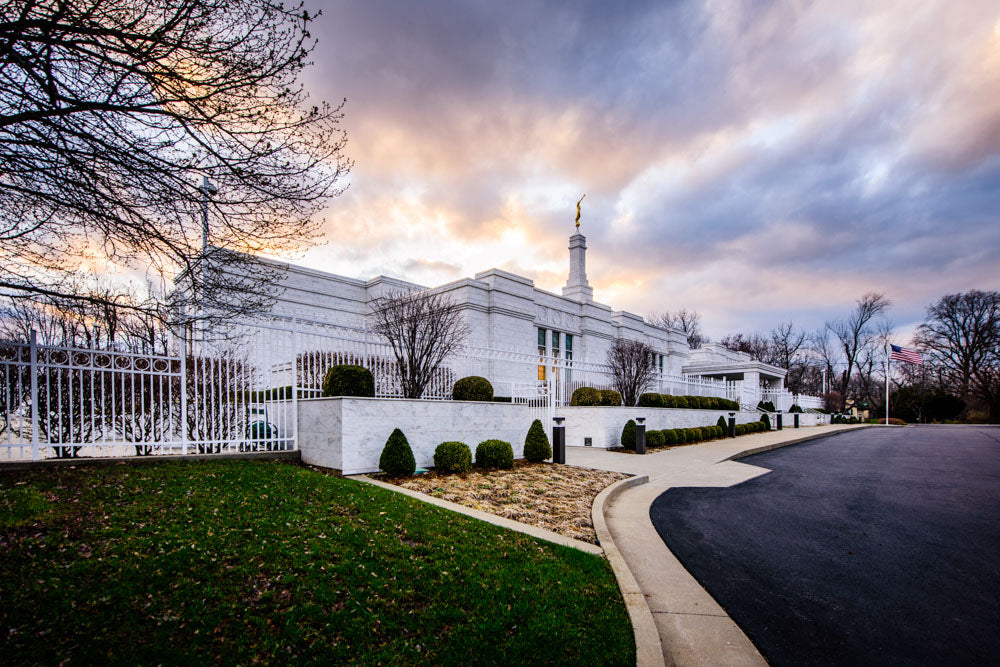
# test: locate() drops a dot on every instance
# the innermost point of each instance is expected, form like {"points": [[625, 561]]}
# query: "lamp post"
{"points": [[732, 424], [640, 435], [208, 189], [558, 441]]}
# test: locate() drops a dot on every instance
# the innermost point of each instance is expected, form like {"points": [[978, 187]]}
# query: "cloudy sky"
{"points": [[756, 161]]}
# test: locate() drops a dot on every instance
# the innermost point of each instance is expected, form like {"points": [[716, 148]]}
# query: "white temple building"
{"points": [[522, 334]]}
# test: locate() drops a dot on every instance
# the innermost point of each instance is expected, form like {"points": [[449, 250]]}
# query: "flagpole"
{"points": [[887, 382]]}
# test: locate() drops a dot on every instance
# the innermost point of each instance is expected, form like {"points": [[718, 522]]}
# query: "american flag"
{"points": [[905, 354]]}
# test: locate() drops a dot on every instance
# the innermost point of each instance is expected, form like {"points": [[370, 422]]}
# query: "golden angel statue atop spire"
{"points": [[578, 212]]}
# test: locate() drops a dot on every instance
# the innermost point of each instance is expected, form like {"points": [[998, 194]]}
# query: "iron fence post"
{"points": [[33, 356]]}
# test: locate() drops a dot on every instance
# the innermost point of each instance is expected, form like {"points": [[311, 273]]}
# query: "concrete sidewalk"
{"points": [[693, 628]]}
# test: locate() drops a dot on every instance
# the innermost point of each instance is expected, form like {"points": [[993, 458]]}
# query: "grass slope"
{"points": [[239, 561]]}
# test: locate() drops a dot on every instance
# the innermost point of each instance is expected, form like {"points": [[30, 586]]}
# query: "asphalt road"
{"points": [[880, 546]]}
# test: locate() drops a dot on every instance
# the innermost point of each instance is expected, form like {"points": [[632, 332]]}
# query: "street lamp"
{"points": [[208, 189]]}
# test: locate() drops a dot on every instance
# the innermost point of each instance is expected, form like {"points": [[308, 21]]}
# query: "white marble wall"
{"points": [[603, 425], [348, 434]]}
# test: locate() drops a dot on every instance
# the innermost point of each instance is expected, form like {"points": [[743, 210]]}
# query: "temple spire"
{"points": [[577, 287]]}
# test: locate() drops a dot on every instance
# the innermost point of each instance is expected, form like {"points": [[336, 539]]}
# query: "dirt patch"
{"points": [[550, 496]]}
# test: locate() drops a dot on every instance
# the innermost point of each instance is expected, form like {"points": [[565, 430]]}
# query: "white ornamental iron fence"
{"points": [[238, 391]]}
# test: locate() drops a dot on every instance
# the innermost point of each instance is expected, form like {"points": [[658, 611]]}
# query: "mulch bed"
{"points": [[550, 496]]}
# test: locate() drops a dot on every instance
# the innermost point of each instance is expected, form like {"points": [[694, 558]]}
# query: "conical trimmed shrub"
{"points": [[397, 457], [536, 445], [628, 435]]}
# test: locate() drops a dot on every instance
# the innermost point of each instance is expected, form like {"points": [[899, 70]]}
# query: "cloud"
{"points": [[757, 161]]}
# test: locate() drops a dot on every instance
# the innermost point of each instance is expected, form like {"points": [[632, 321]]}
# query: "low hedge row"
{"points": [[685, 436], [651, 400], [456, 457], [588, 396]]}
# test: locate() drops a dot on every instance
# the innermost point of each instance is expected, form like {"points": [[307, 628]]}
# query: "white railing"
{"points": [[239, 389]]}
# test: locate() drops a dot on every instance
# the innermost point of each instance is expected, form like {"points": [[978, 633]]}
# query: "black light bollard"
{"points": [[732, 424], [640, 435], [779, 420], [558, 441], [796, 420]]}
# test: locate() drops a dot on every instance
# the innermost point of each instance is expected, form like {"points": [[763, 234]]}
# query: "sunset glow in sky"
{"points": [[756, 161]]}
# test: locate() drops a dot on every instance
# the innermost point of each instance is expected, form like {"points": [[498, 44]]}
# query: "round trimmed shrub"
{"points": [[741, 429], [628, 435], [453, 457], [586, 396], [495, 454], [651, 401], [796, 408], [704, 402], [681, 436], [669, 437], [347, 380], [472, 388], [397, 457], [536, 444], [690, 435], [766, 421], [668, 401], [721, 432], [680, 402], [722, 423], [655, 439], [766, 406], [611, 397]]}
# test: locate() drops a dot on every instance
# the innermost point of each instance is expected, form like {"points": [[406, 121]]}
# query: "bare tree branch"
{"points": [[632, 366], [423, 329], [112, 111]]}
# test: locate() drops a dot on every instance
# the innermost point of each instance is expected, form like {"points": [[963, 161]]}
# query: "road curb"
{"points": [[648, 649], [778, 445], [527, 529]]}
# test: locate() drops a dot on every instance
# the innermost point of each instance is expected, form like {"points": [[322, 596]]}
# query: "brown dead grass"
{"points": [[550, 496]]}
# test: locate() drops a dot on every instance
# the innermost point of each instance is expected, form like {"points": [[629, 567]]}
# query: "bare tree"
{"points": [[961, 335], [112, 113], [632, 366], [422, 329], [854, 335], [688, 321], [756, 345]]}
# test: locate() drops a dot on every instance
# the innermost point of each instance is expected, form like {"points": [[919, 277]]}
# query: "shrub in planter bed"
{"points": [[706, 433], [680, 435], [766, 406], [495, 454], [722, 423], [669, 437], [766, 421], [680, 402], [795, 408], [628, 435], [655, 439], [586, 396], [668, 401], [704, 402], [346, 380], [453, 457], [651, 401], [397, 457], [690, 435], [610, 397], [472, 388], [536, 445]]}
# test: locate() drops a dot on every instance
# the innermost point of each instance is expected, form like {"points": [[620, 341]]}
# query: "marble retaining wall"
{"points": [[603, 425], [348, 434]]}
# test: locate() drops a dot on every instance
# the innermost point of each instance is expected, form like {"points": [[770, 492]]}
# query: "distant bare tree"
{"points": [[854, 336], [961, 335], [111, 114], [632, 366], [422, 328], [688, 321], [756, 345]]}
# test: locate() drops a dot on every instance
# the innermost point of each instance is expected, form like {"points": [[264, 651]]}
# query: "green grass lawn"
{"points": [[247, 561]]}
